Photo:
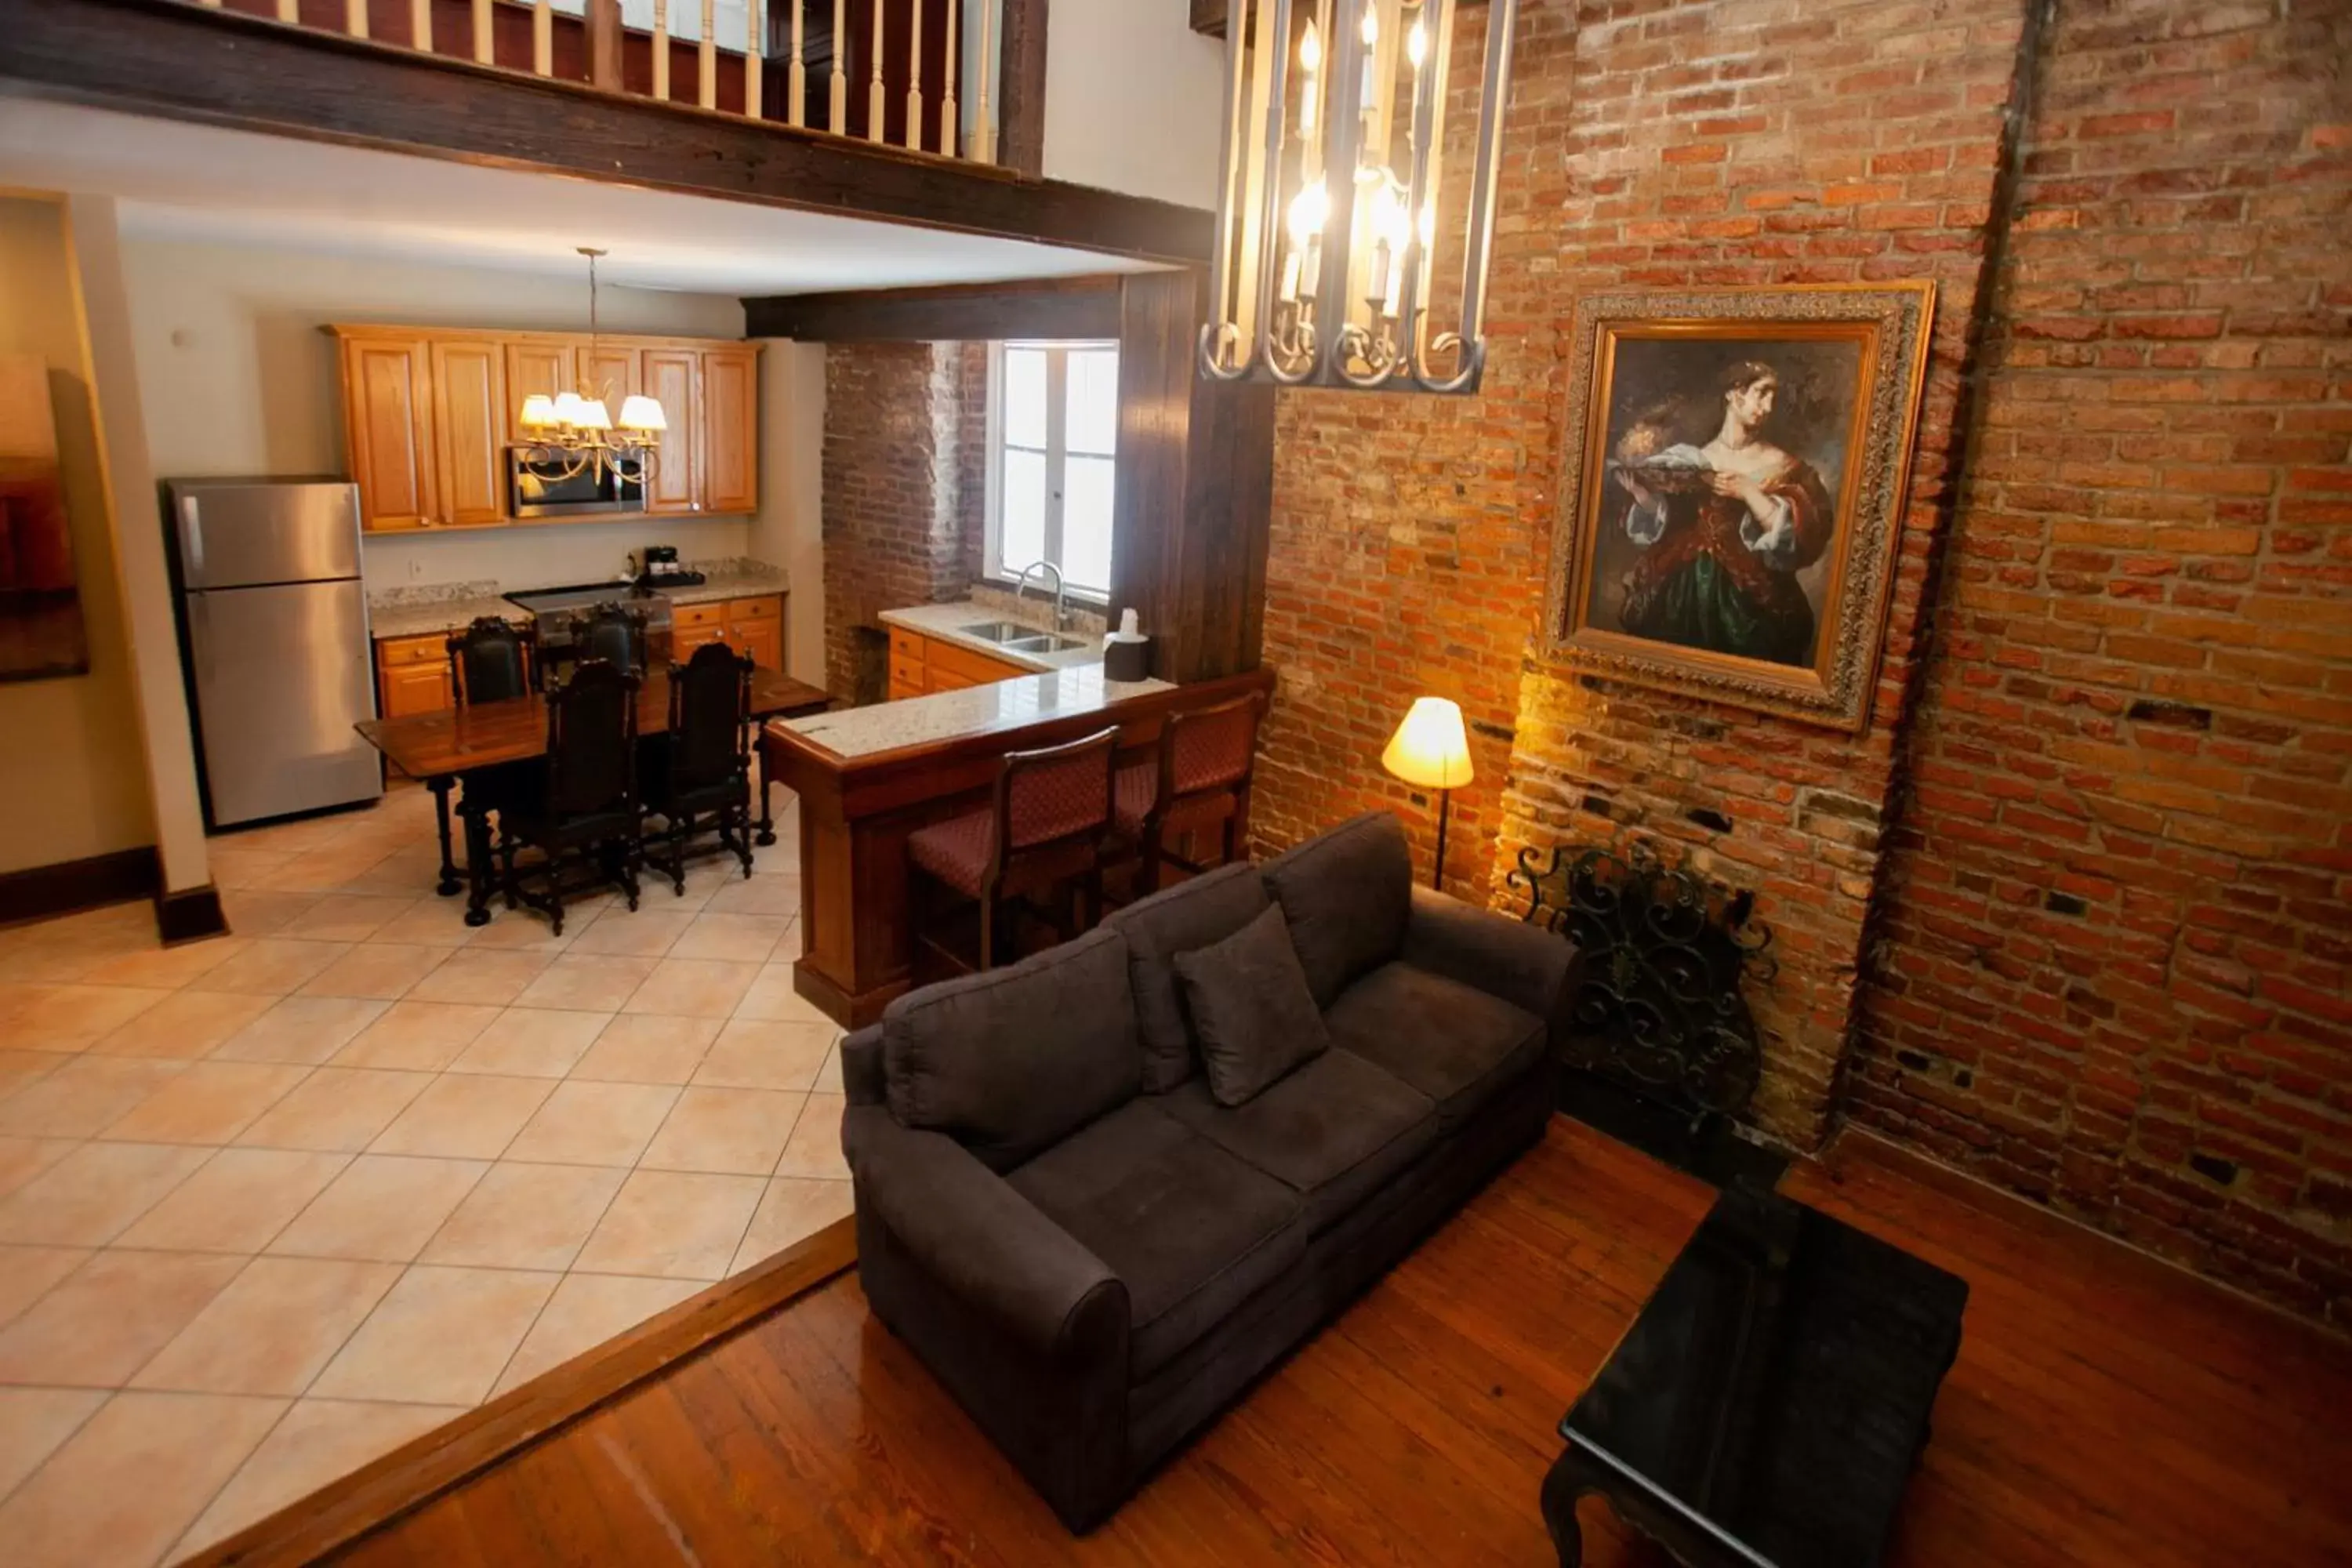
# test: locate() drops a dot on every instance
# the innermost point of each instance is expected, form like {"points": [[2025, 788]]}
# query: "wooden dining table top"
{"points": [[485, 734]]}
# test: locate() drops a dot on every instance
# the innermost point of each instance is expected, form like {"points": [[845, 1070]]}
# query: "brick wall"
{"points": [[2119, 905]]}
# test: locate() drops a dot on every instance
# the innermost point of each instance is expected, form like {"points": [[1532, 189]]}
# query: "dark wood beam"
{"points": [[1020, 101], [962, 312], [179, 61], [1194, 489]]}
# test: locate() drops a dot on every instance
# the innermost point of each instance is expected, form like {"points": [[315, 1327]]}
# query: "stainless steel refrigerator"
{"points": [[274, 632]]}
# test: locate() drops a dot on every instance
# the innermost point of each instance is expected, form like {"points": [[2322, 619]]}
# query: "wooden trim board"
{"points": [[1084, 307], [410, 1476], [40, 892]]}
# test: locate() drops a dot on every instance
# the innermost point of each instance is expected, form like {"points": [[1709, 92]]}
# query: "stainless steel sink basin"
{"points": [[1042, 642], [999, 631]]}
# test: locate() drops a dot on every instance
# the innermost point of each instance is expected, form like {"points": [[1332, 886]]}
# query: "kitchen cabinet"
{"points": [[469, 455], [413, 676], [753, 625], [673, 377], [388, 428], [920, 666], [731, 431], [535, 368]]}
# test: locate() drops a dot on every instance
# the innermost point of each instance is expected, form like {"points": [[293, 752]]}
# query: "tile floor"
{"points": [[274, 1203]]}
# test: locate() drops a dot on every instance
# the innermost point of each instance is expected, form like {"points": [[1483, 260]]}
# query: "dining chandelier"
{"points": [[1330, 209], [571, 432]]}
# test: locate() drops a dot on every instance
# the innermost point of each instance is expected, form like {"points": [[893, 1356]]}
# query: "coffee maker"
{"points": [[661, 569]]}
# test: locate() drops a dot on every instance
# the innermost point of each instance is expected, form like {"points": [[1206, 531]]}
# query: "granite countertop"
{"points": [[855, 732], [945, 622], [452, 607]]}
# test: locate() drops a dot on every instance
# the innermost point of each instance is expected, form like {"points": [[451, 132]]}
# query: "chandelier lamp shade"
{"points": [[1328, 268], [567, 433]]}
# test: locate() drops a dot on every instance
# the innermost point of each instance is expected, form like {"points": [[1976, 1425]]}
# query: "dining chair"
{"points": [[491, 661], [611, 631], [1197, 780], [586, 802], [701, 767], [1042, 832]]}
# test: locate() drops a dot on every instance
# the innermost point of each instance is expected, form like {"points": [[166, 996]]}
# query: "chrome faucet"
{"points": [[1021, 583]]}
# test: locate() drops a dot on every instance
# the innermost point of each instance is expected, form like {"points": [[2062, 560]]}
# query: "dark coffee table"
{"points": [[1768, 1407]]}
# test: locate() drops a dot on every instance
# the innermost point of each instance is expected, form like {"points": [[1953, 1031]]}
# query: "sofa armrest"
{"points": [[983, 1241], [1525, 966]]}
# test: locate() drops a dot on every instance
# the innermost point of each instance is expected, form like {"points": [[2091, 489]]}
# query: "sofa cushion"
{"points": [[1333, 1131], [1252, 1012], [1189, 1228], [1455, 1043], [1347, 894], [1016, 1058], [1193, 913]]}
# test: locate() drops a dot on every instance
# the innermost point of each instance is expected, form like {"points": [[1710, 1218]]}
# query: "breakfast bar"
{"points": [[868, 777]]}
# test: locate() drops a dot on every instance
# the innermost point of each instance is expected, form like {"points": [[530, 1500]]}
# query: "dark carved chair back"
{"points": [[489, 661], [1054, 793], [709, 719], [591, 742], [612, 632]]}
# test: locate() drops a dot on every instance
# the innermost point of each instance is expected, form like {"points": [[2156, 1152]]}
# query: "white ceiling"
{"points": [[193, 182]]}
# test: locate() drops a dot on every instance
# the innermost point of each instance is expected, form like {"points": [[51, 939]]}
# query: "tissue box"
{"points": [[1127, 660]]}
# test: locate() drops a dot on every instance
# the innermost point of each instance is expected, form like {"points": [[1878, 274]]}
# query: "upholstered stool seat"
{"points": [[955, 851]]}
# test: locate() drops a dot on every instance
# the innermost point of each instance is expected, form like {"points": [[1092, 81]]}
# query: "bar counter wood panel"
{"points": [[856, 813]]}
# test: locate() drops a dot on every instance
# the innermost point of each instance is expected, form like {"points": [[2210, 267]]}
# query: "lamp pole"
{"points": [[1437, 866]]}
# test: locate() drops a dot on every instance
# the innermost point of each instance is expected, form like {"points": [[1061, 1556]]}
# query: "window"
{"points": [[1053, 431]]}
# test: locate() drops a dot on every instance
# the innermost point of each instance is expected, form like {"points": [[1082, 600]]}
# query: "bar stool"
{"points": [[1043, 832], [1199, 780]]}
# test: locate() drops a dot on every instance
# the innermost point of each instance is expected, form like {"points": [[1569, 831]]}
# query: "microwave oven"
{"points": [[541, 490]]}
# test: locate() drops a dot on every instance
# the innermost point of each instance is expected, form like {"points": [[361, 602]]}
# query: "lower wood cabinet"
{"points": [[921, 665], [753, 625], [412, 676]]}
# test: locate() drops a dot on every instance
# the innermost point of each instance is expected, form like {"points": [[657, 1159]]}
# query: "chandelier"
{"points": [[573, 432], [1328, 213]]}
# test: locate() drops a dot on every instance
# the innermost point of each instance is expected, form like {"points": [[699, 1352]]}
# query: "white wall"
{"points": [[1133, 100], [237, 379], [790, 529]]}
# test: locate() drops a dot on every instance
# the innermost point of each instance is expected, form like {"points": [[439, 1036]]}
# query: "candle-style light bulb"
{"points": [[1310, 50], [1416, 45], [1310, 60], [1371, 25]]}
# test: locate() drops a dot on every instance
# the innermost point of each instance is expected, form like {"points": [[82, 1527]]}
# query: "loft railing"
{"points": [[917, 74]]}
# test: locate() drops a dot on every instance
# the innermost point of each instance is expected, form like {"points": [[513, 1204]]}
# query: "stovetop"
{"points": [[586, 596]]}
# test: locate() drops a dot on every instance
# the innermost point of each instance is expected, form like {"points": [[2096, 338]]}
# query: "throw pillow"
{"points": [[1252, 1012]]}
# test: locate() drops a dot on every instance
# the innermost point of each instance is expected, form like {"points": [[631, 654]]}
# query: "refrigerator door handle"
{"points": [[192, 537]]}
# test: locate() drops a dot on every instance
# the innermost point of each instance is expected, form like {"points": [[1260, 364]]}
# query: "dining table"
{"points": [[448, 746]]}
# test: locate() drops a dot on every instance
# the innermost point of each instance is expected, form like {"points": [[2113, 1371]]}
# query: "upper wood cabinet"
{"points": [[428, 415]]}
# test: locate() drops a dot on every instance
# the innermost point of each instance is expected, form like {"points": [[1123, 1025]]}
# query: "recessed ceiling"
{"points": [[198, 183]]}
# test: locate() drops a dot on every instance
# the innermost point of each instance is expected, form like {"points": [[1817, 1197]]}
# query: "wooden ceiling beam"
{"points": [[1085, 307]]}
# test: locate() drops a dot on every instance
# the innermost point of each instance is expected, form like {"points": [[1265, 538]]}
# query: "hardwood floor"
{"points": [[2106, 1409]]}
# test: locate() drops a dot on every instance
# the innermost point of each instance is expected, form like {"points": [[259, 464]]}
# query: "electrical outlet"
{"points": [[415, 569]]}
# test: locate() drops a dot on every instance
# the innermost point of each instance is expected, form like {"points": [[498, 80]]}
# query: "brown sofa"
{"points": [[1093, 1254]]}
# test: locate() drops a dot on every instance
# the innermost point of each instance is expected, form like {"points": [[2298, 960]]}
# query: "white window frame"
{"points": [[993, 563]]}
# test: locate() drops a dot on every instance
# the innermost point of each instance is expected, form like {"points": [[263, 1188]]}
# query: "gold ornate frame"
{"points": [[1892, 322]]}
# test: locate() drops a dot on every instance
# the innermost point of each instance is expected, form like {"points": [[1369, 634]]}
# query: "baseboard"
{"points": [[190, 915], [39, 892], [413, 1474]]}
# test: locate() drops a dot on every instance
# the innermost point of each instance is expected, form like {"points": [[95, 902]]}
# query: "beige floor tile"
{"points": [[748, 1055], [69, 1017], [336, 1109], [156, 1458], [106, 1320], [814, 1148], [592, 983], [210, 1102], [771, 999], [22, 1159], [272, 1328], [93, 1194], [464, 1116], [532, 1042], [525, 1216], [737, 938], [52, 962], [237, 1203], [585, 1310], [432, 920], [828, 1076], [648, 931], [251, 913], [244, 868], [169, 967], [788, 946], [320, 1440], [481, 974], [356, 917], [527, 930], [441, 1336], [647, 1047], [693, 987], [27, 1272], [757, 895], [673, 1224], [82, 1095], [586, 1123], [383, 969], [272, 966], [740, 1131], [308, 1029], [381, 1208], [34, 1422], [424, 1036], [793, 1209], [332, 868], [18, 1068], [182, 1026]]}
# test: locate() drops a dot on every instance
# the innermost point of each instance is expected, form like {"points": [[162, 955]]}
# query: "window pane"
{"points": [[1085, 523], [1025, 397], [1021, 521], [1093, 410]]}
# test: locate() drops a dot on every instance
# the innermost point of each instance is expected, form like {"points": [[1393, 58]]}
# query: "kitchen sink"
{"points": [[999, 631], [1042, 642]]}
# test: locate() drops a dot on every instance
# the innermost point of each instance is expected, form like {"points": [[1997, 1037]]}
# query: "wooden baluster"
{"points": [[796, 74], [915, 75], [209, 5], [840, 98], [661, 50], [420, 25], [983, 114], [355, 17], [874, 88], [605, 43], [952, 64], [290, 10], [484, 50], [542, 38], [755, 56], [708, 97]]}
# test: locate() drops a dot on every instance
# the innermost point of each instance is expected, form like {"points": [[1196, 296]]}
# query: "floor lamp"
{"points": [[1431, 750]]}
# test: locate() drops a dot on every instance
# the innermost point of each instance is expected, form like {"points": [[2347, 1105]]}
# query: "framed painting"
{"points": [[1732, 489]]}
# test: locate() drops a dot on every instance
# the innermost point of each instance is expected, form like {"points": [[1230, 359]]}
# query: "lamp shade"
{"points": [[568, 407], [642, 413], [1431, 749], [593, 416], [538, 412]]}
